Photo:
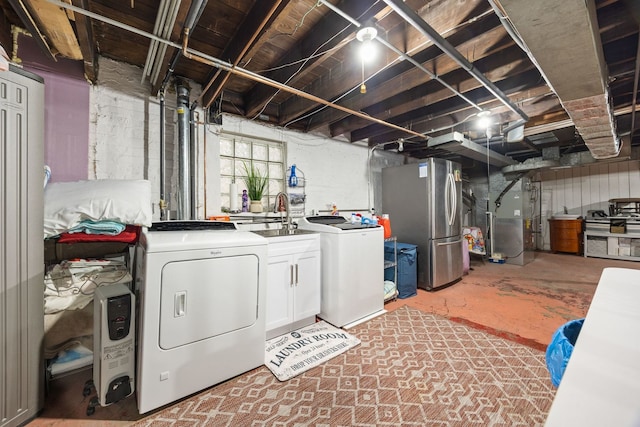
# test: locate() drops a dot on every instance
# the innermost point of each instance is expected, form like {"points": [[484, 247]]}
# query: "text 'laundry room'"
{"points": [[333, 213]]}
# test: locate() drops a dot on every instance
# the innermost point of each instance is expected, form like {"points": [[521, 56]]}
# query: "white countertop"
{"points": [[601, 385]]}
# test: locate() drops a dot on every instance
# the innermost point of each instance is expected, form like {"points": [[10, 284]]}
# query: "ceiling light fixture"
{"points": [[366, 35], [367, 50], [401, 144], [484, 121]]}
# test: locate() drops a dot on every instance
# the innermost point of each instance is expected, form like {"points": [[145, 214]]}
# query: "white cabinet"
{"points": [[293, 283], [601, 240]]}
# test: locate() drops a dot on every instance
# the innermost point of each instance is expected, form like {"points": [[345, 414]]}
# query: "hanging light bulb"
{"points": [[367, 48], [484, 121], [401, 144]]}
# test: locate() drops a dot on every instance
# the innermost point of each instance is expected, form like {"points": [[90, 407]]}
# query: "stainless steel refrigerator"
{"points": [[424, 203]]}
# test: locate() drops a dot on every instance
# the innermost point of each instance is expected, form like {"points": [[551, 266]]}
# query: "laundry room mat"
{"points": [[298, 351]]}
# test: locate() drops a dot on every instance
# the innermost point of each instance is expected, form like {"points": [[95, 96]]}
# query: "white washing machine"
{"points": [[201, 290], [352, 269]]}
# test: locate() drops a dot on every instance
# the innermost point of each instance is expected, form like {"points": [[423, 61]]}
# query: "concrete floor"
{"points": [[523, 303]]}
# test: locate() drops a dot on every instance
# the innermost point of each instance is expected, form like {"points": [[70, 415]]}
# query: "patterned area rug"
{"points": [[411, 368]]}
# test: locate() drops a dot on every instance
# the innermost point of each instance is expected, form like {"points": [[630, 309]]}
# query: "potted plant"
{"points": [[256, 184]]}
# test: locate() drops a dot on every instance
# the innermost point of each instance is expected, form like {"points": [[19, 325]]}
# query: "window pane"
{"points": [[261, 167], [226, 147], [275, 153], [243, 149], [260, 152], [225, 181], [275, 170], [239, 169], [226, 166]]}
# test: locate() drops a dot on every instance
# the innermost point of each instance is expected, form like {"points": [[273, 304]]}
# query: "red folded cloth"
{"points": [[129, 235]]}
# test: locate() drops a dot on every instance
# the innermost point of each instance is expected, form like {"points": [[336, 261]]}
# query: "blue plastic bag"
{"points": [[560, 349]]}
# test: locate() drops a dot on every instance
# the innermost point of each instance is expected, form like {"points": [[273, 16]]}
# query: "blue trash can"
{"points": [[407, 265], [560, 349]]}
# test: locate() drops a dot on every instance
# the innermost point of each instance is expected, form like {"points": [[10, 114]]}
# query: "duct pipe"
{"points": [[163, 202], [192, 160], [197, 7], [184, 195], [218, 63], [418, 23]]}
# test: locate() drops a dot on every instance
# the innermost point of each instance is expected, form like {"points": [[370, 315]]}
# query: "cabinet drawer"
{"points": [[566, 234]]}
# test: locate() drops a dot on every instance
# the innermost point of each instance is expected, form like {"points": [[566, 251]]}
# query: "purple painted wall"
{"points": [[66, 99]]}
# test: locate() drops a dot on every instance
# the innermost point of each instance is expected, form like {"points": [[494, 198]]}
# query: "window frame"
{"points": [[265, 154]]}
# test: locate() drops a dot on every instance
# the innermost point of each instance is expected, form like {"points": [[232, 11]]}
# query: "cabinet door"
{"points": [[280, 282], [307, 285]]}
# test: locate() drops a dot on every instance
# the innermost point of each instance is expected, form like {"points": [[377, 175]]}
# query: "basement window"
{"points": [[266, 156]]}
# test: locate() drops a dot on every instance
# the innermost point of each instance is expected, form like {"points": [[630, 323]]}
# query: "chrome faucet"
{"points": [[282, 204]]}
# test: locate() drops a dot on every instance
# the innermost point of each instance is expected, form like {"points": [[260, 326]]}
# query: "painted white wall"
{"points": [[585, 188], [125, 143]]}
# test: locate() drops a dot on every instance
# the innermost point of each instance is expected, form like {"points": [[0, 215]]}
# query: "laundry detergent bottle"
{"points": [[293, 179]]}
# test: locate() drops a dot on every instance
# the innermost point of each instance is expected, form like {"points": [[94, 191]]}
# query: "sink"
{"points": [[283, 232]]}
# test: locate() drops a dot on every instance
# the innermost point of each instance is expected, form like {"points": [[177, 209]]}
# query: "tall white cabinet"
{"points": [[22, 248], [293, 283]]}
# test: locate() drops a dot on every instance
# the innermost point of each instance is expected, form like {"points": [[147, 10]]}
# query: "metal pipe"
{"points": [[192, 161], [172, 67], [163, 202], [402, 55], [162, 49], [194, 13], [417, 22], [153, 46], [635, 92], [215, 62], [184, 196]]}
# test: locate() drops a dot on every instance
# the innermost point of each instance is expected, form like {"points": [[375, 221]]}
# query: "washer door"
{"points": [[203, 298]]}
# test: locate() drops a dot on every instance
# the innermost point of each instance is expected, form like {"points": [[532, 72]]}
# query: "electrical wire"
{"points": [[298, 70]]}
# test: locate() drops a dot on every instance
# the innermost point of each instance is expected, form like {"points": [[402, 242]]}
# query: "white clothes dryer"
{"points": [[201, 290], [352, 269]]}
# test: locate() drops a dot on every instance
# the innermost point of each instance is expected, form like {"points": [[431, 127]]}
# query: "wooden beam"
{"points": [[57, 28], [453, 111], [30, 24], [327, 27], [253, 25], [402, 75], [495, 67], [87, 42]]}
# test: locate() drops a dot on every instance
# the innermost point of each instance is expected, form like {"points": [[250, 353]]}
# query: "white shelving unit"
{"points": [[393, 264], [614, 237], [602, 244]]}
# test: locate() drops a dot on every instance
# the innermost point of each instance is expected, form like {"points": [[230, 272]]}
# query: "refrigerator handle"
{"points": [[451, 199], [457, 242], [447, 199], [454, 195]]}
